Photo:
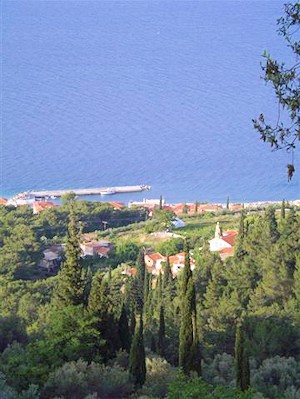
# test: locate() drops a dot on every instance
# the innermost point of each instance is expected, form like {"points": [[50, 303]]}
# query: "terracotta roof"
{"points": [[130, 272], [3, 201], [39, 206], [103, 251], [96, 244], [229, 236], [227, 250], [156, 256], [117, 204], [179, 259]]}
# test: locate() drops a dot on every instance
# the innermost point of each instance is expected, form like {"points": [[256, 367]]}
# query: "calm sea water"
{"points": [[104, 93]]}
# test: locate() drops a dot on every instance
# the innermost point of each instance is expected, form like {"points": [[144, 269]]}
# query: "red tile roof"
{"points": [[3, 201], [39, 206], [156, 256], [117, 204], [102, 251], [229, 236]]}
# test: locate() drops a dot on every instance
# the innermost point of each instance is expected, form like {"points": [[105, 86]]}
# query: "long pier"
{"points": [[87, 191]]}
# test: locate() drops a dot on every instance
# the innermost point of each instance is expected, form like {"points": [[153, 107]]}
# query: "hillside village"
{"points": [[121, 271]]}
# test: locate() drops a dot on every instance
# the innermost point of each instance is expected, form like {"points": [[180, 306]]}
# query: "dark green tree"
{"points": [[271, 229], [242, 360], [227, 202], [101, 306], [283, 209], [124, 332], [138, 286], [137, 362], [188, 337], [161, 202], [72, 282], [161, 333]]}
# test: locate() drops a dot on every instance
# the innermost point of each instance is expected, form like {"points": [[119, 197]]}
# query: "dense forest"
{"points": [[227, 329]]}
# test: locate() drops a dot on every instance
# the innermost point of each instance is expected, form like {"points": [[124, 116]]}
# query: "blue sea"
{"points": [[156, 92]]}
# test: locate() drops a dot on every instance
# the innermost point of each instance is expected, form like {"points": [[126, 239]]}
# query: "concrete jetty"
{"points": [[87, 191]]}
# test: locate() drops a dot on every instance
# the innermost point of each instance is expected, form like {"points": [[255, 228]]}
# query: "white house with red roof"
{"points": [[177, 263], [223, 242], [154, 262], [96, 248]]}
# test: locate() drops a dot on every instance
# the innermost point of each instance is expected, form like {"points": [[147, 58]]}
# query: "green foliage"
{"points": [[159, 375], [11, 329], [286, 85], [75, 380], [72, 278], [220, 371], [242, 359], [101, 306], [126, 251], [70, 334], [137, 364], [196, 388], [189, 351], [161, 333], [124, 332], [170, 247], [276, 376]]}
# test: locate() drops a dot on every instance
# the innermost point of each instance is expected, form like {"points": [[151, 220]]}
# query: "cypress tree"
{"points": [[161, 332], [186, 273], [137, 359], [241, 359], [196, 207], [132, 324], [161, 202], [272, 224], [138, 287], [227, 203], [242, 225], [72, 280], [101, 306], [124, 333], [152, 344], [189, 350], [167, 274], [283, 209]]}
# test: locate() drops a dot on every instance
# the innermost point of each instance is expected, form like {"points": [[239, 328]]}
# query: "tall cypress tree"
{"points": [[167, 274], [72, 280], [124, 332], [137, 358], [241, 359], [227, 203], [102, 307], [139, 282], [283, 209], [189, 351], [271, 224], [161, 332]]}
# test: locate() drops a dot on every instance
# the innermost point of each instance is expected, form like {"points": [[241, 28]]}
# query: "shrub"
{"points": [[220, 371], [159, 375], [278, 375], [75, 380]]}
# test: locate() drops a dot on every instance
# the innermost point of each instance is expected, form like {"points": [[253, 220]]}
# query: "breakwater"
{"points": [[86, 191]]}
